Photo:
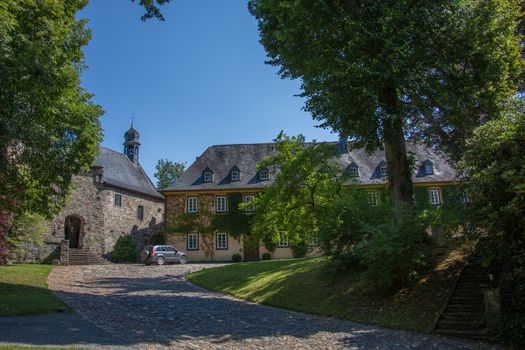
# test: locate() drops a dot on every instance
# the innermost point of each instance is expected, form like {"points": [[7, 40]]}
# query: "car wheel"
{"points": [[144, 254], [160, 260], [183, 259]]}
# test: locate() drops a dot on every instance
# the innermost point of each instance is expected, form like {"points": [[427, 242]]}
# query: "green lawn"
{"points": [[305, 285], [23, 290]]}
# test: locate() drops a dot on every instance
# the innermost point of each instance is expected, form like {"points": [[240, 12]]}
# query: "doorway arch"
{"points": [[73, 231]]}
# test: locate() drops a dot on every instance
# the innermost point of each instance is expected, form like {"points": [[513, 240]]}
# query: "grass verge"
{"points": [[23, 290], [307, 285]]}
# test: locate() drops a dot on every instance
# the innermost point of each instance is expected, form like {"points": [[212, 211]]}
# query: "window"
{"points": [[382, 170], [429, 168], [353, 171], [220, 204], [434, 196], [465, 198], [192, 241], [263, 174], [235, 175], [222, 241], [140, 212], [118, 200], [191, 206], [249, 199], [208, 176], [373, 199], [283, 239]]}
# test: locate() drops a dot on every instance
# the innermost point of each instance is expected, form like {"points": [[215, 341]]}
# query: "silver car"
{"points": [[162, 254]]}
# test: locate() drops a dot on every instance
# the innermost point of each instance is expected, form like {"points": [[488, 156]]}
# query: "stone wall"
{"points": [[123, 220], [102, 222]]}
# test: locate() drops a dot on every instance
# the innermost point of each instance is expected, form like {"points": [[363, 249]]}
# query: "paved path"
{"points": [[152, 307]]}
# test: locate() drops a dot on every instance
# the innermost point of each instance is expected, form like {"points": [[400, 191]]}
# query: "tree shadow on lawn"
{"points": [[167, 309]]}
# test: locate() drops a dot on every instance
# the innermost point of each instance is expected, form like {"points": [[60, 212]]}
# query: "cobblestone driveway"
{"points": [[153, 307]]}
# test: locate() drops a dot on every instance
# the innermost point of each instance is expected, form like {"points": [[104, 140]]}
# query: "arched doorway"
{"points": [[73, 231]]}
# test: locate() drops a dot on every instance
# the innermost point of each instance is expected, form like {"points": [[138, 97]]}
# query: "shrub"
{"points": [[299, 249], [125, 250], [267, 256], [236, 257], [511, 326]]}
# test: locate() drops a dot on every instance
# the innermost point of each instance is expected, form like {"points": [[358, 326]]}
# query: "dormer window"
{"points": [[353, 170], [207, 175], [382, 169], [235, 176], [429, 167], [263, 174]]}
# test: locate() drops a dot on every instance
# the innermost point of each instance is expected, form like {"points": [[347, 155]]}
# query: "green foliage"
{"points": [[439, 67], [152, 8], [495, 164], [511, 326], [267, 256], [390, 251], [125, 250], [25, 229], [236, 257], [167, 172], [235, 221], [49, 128], [157, 239]]}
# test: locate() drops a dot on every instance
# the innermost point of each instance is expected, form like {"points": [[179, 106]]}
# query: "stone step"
{"points": [[465, 308], [467, 292], [463, 316], [474, 278], [468, 285], [462, 325], [475, 335], [467, 300]]}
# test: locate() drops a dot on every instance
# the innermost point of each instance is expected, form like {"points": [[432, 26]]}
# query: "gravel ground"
{"points": [[153, 307]]}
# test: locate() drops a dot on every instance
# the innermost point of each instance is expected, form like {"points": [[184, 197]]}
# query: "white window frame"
{"points": [[192, 241], [353, 171], [383, 171], [465, 198], [119, 196], [250, 209], [192, 207], [264, 174], [312, 240], [208, 176], [373, 198], [434, 196], [223, 241], [429, 168], [235, 175], [283, 240], [218, 208]]}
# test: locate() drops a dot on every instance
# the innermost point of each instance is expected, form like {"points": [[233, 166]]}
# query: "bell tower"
{"points": [[131, 144]]}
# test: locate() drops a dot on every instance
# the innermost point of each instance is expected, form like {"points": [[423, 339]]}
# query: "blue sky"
{"points": [[195, 80]]}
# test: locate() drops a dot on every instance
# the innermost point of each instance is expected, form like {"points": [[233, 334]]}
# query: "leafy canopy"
{"points": [[167, 172], [49, 128], [441, 66]]}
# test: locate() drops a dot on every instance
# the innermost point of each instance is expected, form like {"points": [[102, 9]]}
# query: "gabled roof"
{"points": [[222, 158], [119, 171]]}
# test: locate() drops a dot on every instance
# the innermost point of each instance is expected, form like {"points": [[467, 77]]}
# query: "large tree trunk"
{"points": [[398, 164]]}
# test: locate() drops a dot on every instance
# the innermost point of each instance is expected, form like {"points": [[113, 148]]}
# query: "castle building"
{"points": [[114, 199], [223, 171]]}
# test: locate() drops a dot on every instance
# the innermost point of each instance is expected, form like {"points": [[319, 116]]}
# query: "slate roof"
{"points": [[221, 158], [119, 171]]}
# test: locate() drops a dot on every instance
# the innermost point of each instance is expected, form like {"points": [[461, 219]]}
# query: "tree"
{"points": [[152, 8], [382, 71], [49, 128], [167, 172]]}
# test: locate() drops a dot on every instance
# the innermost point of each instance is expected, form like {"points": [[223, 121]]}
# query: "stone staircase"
{"points": [[464, 314], [84, 257]]}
